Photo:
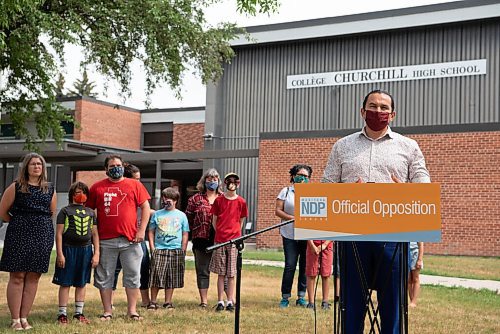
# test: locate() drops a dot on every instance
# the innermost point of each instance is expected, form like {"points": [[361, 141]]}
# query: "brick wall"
{"points": [[106, 125], [89, 178], [103, 124], [466, 165], [188, 137]]}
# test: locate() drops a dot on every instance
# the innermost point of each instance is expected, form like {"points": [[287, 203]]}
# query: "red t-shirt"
{"points": [[228, 214], [116, 204]]}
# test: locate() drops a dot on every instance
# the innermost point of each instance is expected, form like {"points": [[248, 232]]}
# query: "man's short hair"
{"points": [[111, 157], [378, 91], [171, 193]]}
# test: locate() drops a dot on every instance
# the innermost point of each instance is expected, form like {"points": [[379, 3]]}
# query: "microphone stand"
{"points": [[238, 242]]}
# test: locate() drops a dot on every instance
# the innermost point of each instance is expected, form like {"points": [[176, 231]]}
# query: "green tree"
{"points": [[83, 87], [165, 35], [60, 85]]}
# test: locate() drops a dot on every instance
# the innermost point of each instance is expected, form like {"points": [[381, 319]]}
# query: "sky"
{"points": [[193, 91]]}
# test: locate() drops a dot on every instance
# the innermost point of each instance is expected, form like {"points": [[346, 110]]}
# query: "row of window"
{"points": [[154, 141], [7, 130]]}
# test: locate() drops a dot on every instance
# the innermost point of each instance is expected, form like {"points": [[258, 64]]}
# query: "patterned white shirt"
{"points": [[375, 160]]}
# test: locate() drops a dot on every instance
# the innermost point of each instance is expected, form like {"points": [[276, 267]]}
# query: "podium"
{"points": [[372, 225]]}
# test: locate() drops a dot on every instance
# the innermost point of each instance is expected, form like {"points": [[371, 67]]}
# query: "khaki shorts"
{"points": [[130, 255]]}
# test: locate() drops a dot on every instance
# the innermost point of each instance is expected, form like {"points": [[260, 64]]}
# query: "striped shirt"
{"points": [[375, 160]]}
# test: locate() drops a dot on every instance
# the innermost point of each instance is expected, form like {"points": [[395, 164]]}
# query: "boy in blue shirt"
{"points": [[168, 238], [76, 232]]}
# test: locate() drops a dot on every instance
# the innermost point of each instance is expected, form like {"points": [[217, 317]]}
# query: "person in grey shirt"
{"points": [[374, 154]]}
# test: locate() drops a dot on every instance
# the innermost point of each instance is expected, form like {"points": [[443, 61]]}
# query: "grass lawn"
{"points": [[441, 310], [454, 266], [463, 266]]}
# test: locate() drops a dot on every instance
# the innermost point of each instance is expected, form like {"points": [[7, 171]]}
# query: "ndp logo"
{"points": [[313, 207]]}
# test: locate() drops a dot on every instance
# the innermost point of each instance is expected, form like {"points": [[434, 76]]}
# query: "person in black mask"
{"points": [[116, 200], [379, 155]]}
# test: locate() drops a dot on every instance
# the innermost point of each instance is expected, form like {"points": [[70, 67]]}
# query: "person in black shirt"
{"points": [[76, 232]]}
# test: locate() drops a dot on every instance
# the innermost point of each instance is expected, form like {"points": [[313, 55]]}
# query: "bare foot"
{"points": [[413, 305]]}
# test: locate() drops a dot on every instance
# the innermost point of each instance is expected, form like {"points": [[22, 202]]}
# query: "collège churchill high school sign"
{"points": [[386, 74]]}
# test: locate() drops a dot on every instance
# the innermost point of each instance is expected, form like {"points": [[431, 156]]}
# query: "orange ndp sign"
{"points": [[368, 211]]}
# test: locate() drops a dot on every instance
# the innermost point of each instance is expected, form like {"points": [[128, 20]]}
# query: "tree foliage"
{"points": [[165, 35], [83, 87], [60, 85]]}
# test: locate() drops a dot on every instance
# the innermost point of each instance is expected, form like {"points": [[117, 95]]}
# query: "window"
{"points": [[158, 141], [7, 131], [69, 128]]}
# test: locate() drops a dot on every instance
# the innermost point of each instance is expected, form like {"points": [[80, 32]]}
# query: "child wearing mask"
{"points": [[319, 261], [168, 238], [229, 212], [76, 233]]}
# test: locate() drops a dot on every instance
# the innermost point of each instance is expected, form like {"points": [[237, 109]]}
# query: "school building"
{"points": [[296, 88]]}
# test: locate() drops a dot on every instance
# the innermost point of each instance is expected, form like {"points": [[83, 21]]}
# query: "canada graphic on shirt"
{"points": [[168, 228], [113, 197]]}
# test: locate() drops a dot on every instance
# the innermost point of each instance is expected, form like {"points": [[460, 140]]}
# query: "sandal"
{"points": [[203, 305], [16, 325], [106, 317], [25, 324], [135, 317], [168, 306], [152, 306]]}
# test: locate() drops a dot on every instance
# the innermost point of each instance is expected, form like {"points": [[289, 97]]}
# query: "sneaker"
{"points": [[284, 303], [62, 319], [219, 307], [325, 305], [230, 307], [81, 318], [301, 302], [310, 305]]}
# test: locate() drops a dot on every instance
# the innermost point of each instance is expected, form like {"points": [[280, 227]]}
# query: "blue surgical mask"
{"points": [[211, 185], [168, 204], [115, 172]]}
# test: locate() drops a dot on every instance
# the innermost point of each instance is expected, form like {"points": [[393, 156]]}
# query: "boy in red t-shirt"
{"points": [[229, 212]]}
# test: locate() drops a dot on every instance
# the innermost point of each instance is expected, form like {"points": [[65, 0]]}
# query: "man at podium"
{"points": [[379, 155]]}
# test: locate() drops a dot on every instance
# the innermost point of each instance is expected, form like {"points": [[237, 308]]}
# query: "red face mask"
{"points": [[376, 121], [80, 198]]}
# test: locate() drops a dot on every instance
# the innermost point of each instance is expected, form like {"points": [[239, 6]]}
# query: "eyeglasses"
{"points": [[36, 164]]}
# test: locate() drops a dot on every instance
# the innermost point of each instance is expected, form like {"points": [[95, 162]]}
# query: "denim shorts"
{"points": [[413, 258]]}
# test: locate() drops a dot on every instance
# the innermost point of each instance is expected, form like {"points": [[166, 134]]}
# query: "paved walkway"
{"points": [[424, 279]]}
